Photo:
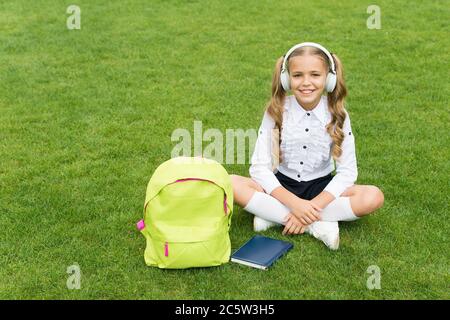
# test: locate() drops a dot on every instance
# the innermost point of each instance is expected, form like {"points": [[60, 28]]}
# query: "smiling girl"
{"points": [[315, 138]]}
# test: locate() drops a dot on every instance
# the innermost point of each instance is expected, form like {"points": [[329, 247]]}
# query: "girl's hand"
{"points": [[293, 225], [306, 211]]}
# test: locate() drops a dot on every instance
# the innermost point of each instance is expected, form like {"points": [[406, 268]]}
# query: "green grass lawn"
{"points": [[87, 115]]}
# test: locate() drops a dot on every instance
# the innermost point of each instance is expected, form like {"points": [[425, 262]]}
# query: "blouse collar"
{"points": [[319, 111]]}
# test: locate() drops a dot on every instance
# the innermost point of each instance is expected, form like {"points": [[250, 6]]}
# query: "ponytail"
{"points": [[275, 108], [336, 108]]}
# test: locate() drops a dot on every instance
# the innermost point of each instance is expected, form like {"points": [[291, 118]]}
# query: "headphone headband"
{"points": [[284, 67]]}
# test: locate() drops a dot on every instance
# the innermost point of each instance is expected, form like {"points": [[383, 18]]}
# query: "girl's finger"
{"points": [[315, 212], [315, 206], [308, 218], [312, 215], [286, 228], [292, 229], [303, 221]]}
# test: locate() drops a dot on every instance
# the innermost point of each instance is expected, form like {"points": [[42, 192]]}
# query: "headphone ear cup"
{"points": [[284, 79], [330, 83]]}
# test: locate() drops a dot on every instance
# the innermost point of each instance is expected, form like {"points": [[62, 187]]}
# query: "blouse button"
{"points": [[301, 162], [298, 176], [350, 133], [306, 129], [304, 147], [308, 114]]}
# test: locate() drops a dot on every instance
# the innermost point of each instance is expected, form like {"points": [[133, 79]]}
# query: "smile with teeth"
{"points": [[307, 91]]}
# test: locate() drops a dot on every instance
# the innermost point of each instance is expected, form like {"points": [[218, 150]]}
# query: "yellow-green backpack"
{"points": [[187, 214]]}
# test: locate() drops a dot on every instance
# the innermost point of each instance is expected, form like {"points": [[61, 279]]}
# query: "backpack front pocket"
{"points": [[179, 255]]}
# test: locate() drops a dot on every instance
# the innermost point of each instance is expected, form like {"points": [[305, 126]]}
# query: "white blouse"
{"points": [[306, 149]]}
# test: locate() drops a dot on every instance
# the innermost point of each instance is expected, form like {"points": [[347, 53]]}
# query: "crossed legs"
{"points": [[364, 199]]}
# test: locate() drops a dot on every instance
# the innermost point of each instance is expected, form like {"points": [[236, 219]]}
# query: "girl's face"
{"points": [[307, 74]]}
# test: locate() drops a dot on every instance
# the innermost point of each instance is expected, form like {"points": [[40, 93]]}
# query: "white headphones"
{"points": [[330, 83]]}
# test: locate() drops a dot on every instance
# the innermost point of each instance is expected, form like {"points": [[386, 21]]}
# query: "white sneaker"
{"points": [[326, 231], [260, 224]]}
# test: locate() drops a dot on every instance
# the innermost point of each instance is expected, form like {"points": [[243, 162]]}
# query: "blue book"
{"points": [[261, 252]]}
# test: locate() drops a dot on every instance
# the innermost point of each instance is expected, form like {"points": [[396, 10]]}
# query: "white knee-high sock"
{"points": [[267, 207], [338, 210]]}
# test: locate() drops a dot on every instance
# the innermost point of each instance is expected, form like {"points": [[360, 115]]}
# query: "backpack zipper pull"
{"points": [[140, 225]]}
